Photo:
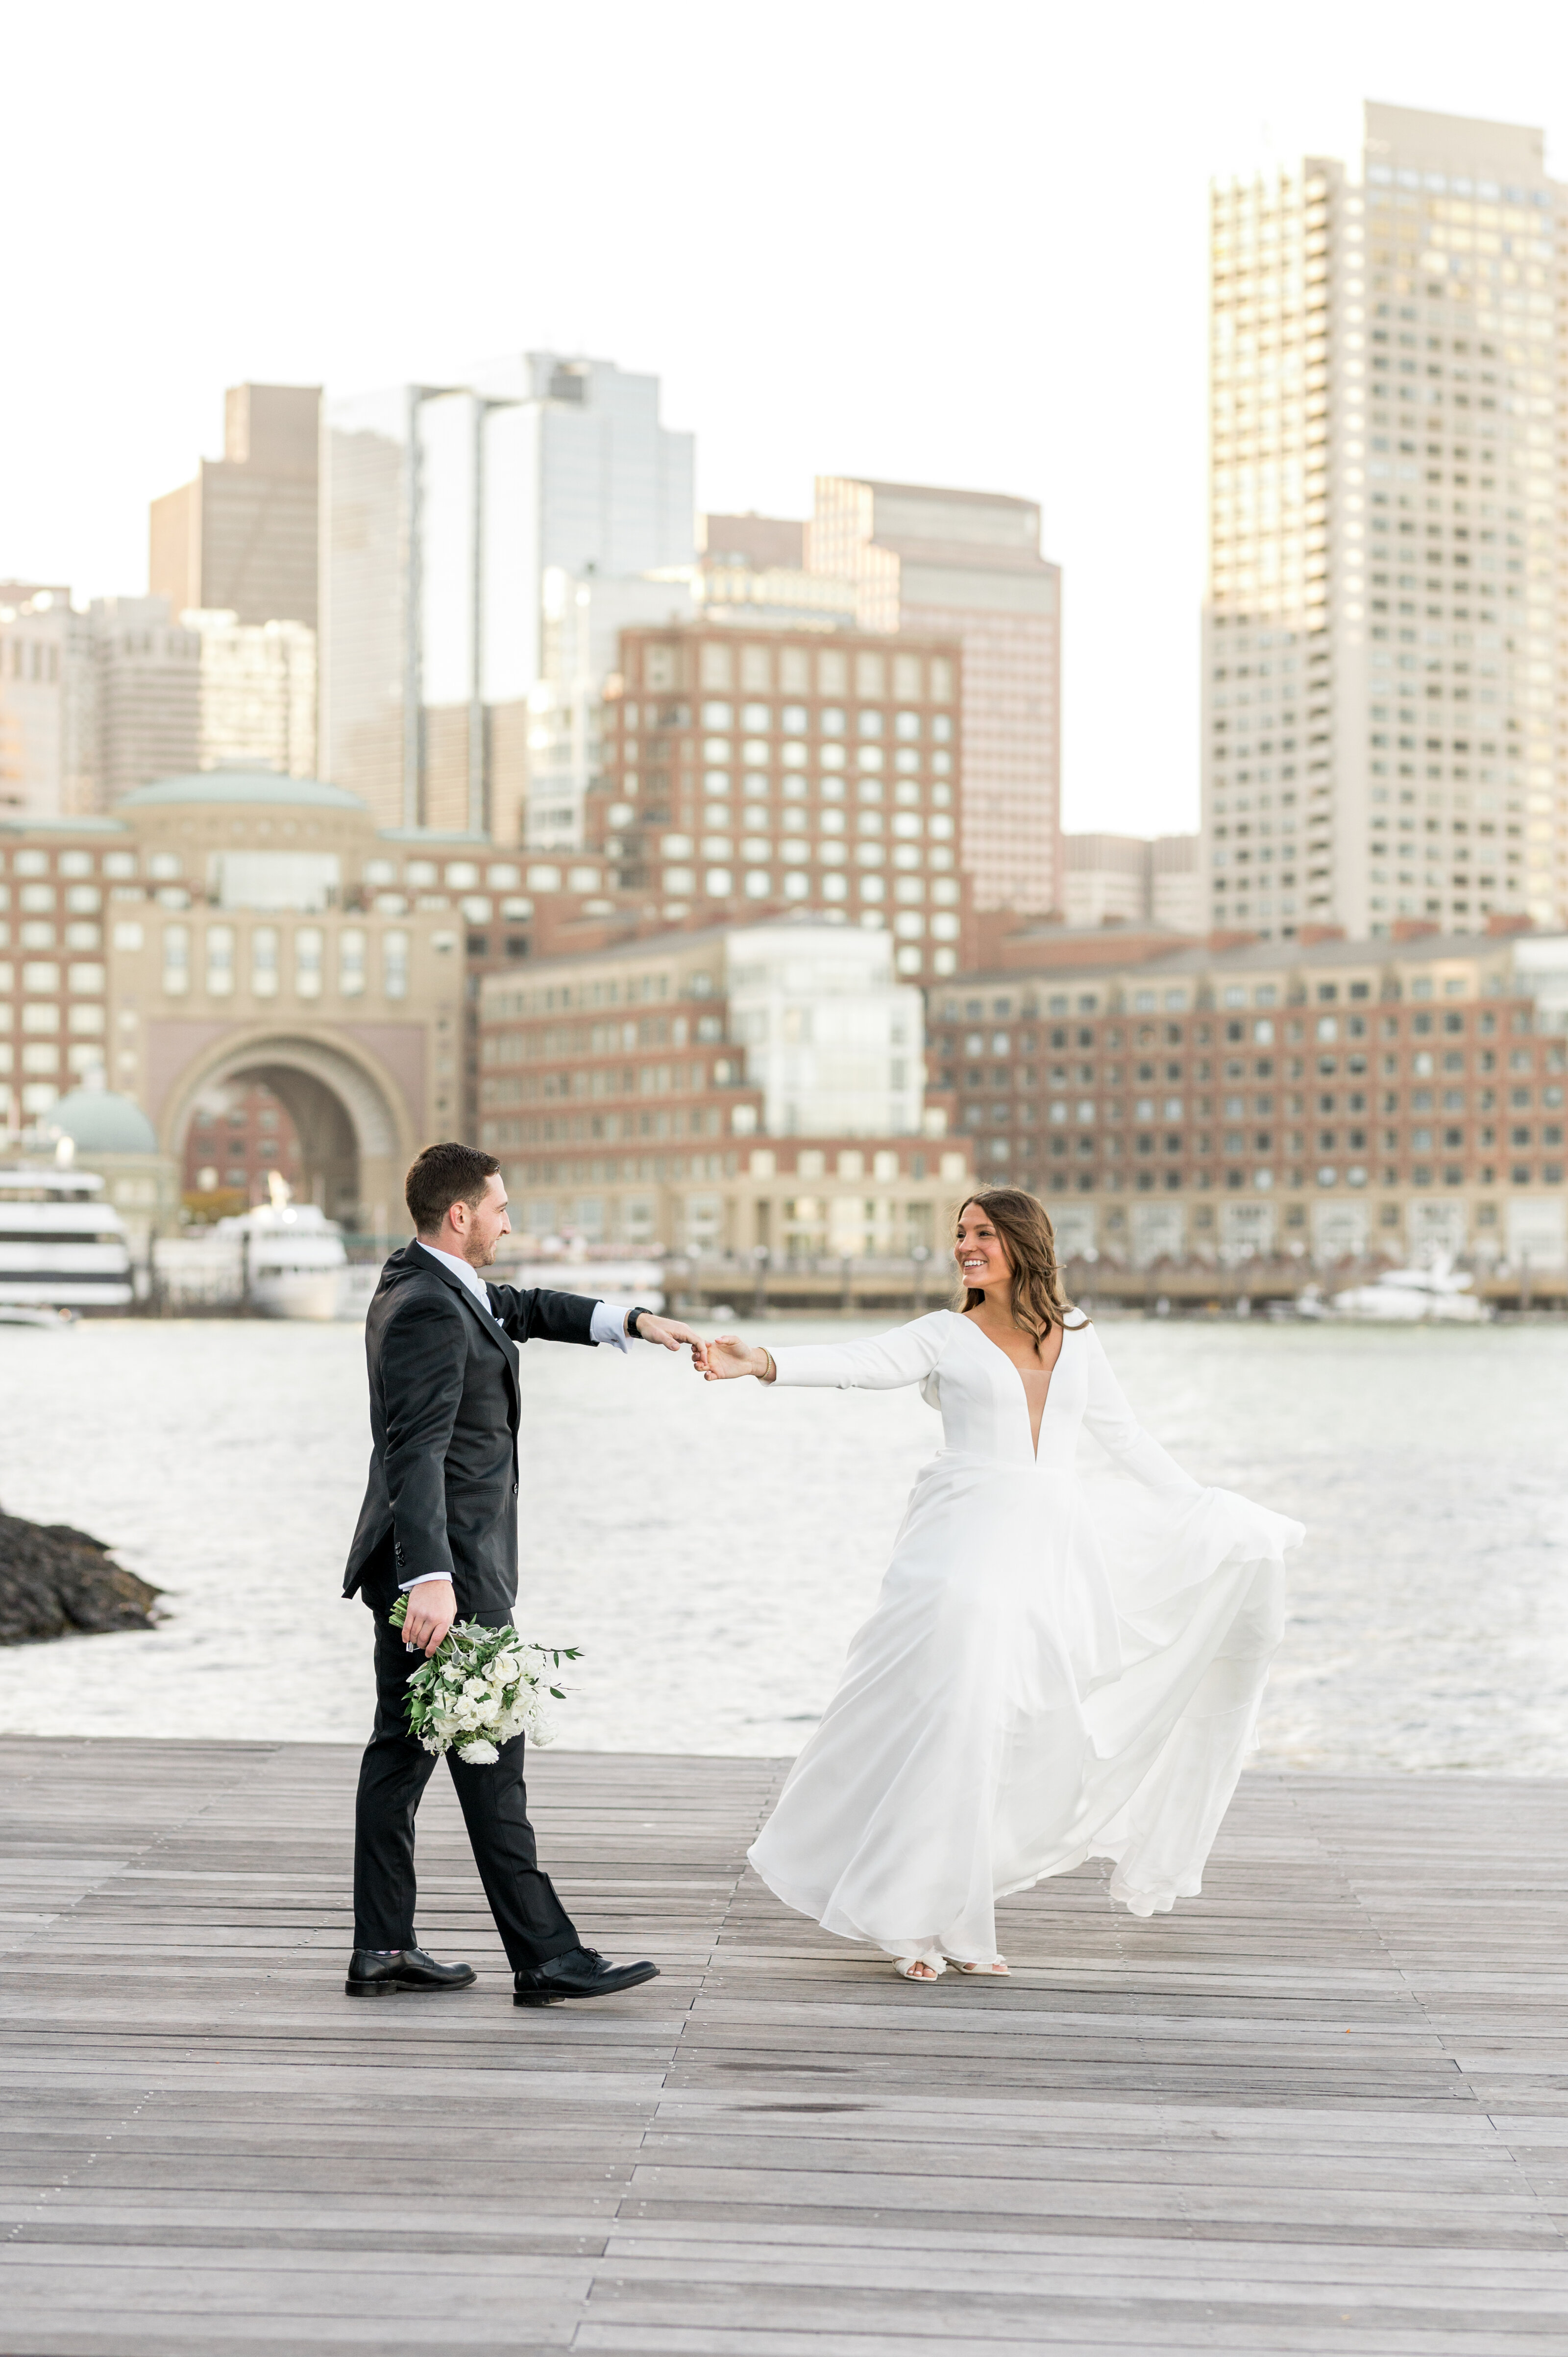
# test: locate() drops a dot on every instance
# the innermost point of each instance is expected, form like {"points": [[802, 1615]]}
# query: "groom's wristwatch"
{"points": [[631, 1323]]}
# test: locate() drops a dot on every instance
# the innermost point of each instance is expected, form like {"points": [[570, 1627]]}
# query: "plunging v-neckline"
{"points": [[1035, 1429]]}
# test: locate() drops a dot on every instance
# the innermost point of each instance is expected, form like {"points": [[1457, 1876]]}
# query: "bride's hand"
{"points": [[728, 1356]]}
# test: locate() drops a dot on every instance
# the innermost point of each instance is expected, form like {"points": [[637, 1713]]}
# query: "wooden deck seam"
{"points": [[735, 1883]]}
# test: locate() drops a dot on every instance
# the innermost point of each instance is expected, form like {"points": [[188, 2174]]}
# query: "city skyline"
{"points": [[943, 375]]}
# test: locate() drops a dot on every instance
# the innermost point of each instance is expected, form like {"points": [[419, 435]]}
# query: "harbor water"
{"points": [[711, 1548]]}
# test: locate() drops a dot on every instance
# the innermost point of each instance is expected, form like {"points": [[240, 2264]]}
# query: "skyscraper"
{"points": [[241, 537], [91, 704], [445, 510], [258, 694], [148, 693], [1382, 640], [1131, 879], [48, 704], [968, 564]]}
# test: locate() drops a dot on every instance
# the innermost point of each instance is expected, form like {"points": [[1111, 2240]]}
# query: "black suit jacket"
{"points": [[442, 1495]]}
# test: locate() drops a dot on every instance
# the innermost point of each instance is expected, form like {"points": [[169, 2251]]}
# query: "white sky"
{"points": [[884, 236]]}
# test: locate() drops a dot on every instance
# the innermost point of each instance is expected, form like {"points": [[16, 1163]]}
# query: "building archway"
{"points": [[355, 1138]]}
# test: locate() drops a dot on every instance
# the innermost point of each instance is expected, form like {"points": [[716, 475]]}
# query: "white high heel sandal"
{"points": [[919, 1968], [998, 1966]]}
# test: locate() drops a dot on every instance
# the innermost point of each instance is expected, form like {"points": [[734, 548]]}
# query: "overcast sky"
{"points": [[939, 245]]}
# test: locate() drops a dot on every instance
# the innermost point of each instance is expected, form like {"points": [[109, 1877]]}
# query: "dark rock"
{"points": [[57, 1582]]}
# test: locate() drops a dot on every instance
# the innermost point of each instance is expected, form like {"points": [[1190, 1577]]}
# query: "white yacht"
{"points": [[1438, 1293], [292, 1256], [62, 1246]]}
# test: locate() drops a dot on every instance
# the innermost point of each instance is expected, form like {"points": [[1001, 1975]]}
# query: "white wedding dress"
{"points": [[1057, 1666]]}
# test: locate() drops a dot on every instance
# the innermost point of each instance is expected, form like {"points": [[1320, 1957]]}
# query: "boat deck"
{"points": [[1323, 2108]]}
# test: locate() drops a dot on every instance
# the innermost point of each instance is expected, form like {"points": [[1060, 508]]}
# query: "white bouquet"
{"points": [[480, 1687]]}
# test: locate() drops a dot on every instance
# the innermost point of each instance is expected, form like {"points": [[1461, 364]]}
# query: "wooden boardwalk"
{"points": [[1324, 2108]]}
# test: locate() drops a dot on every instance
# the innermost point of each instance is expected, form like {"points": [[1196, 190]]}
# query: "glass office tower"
{"points": [[443, 509]]}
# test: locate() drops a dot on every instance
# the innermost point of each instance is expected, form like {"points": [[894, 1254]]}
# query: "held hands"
{"points": [[717, 1362], [673, 1336]]}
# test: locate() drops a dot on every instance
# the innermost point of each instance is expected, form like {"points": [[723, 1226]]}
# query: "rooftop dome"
{"points": [[101, 1121], [248, 786]]}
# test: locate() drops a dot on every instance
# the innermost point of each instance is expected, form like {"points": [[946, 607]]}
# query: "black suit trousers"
{"points": [[532, 1923]]}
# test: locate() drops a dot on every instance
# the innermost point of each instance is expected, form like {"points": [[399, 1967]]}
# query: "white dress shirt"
{"points": [[608, 1325]]}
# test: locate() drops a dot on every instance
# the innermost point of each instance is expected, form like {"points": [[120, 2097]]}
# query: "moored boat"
{"points": [[293, 1259], [62, 1245], [1435, 1294]]}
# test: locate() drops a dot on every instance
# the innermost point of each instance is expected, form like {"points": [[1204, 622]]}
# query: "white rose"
{"points": [[477, 1754]]}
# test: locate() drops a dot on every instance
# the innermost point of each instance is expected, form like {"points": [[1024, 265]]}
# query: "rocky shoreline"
{"points": [[57, 1582]]}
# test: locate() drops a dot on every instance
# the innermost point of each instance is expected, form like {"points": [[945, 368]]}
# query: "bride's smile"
{"points": [[978, 1250]]}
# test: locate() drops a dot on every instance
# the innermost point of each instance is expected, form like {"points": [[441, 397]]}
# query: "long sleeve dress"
{"points": [[1054, 1668]]}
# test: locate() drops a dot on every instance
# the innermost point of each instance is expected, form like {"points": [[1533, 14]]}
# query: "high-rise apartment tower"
{"points": [[968, 564], [1383, 641]]}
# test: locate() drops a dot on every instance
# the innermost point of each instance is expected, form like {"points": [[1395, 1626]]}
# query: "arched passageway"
{"points": [[353, 1131]]}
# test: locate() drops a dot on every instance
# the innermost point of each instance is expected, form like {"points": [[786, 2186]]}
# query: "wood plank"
{"points": [[1323, 2107]]}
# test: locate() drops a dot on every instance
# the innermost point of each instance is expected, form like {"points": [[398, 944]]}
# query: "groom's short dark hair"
{"points": [[442, 1175]]}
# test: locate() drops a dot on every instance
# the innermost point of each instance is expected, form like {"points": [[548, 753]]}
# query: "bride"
{"points": [[1054, 1668]]}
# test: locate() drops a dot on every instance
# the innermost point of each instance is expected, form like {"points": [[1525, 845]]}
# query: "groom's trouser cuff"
{"points": [[532, 1923]]}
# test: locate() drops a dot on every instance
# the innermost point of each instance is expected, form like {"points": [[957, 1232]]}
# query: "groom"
{"points": [[439, 1522]]}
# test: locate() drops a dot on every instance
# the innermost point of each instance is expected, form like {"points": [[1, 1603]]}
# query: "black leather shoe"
{"points": [[370, 1975], [581, 1972]]}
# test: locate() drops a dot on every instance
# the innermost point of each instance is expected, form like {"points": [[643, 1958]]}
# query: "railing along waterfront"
{"points": [[858, 1286]]}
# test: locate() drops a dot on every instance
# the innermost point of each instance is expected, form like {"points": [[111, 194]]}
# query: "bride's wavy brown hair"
{"points": [[1024, 1224]]}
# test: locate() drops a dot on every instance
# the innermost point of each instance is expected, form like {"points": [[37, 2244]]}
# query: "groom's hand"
{"points": [[432, 1609], [674, 1336]]}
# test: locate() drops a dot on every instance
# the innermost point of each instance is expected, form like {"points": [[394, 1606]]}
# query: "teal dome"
{"points": [[243, 788], [100, 1122]]}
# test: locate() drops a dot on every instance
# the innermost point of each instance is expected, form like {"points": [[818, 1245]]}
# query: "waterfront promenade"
{"points": [[1323, 2108]]}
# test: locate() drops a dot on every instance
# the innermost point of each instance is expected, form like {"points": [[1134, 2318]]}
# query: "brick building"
{"points": [[723, 1090], [751, 773], [966, 565], [238, 1136], [1344, 1096], [222, 933]]}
